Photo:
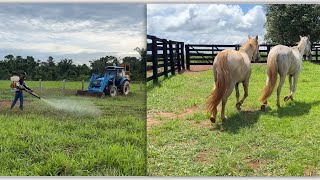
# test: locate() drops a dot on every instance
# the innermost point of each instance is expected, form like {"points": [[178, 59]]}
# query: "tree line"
{"points": [[49, 70], [285, 22]]}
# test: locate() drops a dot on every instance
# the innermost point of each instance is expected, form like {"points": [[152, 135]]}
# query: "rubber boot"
{"points": [[21, 108]]}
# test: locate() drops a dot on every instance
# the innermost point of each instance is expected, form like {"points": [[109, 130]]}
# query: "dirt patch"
{"points": [[255, 164], [309, 171], [199, 68], [5, 103], [206, 156], [151, 121], [153, 118], [203, 124], [166, 114], [190, 110], [8, 103]]}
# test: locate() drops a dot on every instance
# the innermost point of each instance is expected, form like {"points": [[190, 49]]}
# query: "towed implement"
{"points": [[113, 81]]}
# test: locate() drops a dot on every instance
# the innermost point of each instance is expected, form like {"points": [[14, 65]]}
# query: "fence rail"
{"points": [[204, 54], [164, 57]]}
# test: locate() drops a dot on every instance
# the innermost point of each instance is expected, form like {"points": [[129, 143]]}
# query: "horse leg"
{"points": [[286, 98], [295, 81], [213, 116], [245, 88], [282, 78], [224, 101], [238, 104], [264, 103]]}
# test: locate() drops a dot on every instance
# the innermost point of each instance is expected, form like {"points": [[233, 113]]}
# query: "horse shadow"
{"points": [[294, 109], [238, 121], [249, 118]]}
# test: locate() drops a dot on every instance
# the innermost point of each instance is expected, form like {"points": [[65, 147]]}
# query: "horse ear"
{"points": [[257, 37], [309, 37], [248, 36], [300, 36]]}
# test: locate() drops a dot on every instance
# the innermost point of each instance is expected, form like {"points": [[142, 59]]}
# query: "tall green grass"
{"points": [[43, 140]]}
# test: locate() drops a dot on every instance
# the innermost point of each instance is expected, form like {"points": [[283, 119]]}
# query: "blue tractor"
{"points": [[114, 80]]}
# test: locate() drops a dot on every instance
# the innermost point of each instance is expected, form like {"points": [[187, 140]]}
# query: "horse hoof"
{"points": [[278, 105], [286, 98], [213, 120], [223, 119], [238, 106], [263, 107]]}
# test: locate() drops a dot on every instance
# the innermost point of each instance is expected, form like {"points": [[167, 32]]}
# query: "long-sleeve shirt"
{"points": [[22, 85]]}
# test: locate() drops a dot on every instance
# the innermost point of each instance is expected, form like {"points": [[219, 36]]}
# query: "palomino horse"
{"points": [[285, 61], [231, 67]]}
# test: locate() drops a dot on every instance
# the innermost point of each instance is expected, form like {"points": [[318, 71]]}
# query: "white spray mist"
{"points": [[80, 107]]}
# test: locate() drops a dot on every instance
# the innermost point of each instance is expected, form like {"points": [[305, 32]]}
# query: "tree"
{"points": [[285, 22], [143, 61], [98, 65]]}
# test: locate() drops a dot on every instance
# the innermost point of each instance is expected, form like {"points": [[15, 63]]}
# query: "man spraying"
{"points": [[18, 86]]}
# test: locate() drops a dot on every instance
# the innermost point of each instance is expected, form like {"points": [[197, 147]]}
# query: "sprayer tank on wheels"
{"points": [[114, 80]]}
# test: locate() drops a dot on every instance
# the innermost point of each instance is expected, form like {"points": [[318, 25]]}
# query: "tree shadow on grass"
{"points": [[239, 120], [293, 109]]}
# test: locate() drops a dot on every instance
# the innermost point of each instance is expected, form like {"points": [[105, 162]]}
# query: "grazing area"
{"points": [[278, 142], [72, 135]]}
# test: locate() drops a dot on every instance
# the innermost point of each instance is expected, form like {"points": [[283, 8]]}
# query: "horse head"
{"points": [[307, 44], [255, 46]]}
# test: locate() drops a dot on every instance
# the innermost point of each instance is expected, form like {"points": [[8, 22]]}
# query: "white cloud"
{"points": [[82, 31], [205, 23]]}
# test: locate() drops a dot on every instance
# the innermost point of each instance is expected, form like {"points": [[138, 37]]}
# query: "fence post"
{"points": [[165, 57], [40, 86], [182, 55], [187, 57], [82, 87], [236, 47], [178, 56], [316, 54], [154, 59], [268, 50], [140, 86], [63, 86], [171, 58]]}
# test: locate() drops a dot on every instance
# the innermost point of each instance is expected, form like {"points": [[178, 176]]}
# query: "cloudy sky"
{"points": [[206, 23], [81, 32]]}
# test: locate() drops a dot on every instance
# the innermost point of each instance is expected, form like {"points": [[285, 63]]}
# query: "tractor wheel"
{"points": [[125, 89], [112, 90]]}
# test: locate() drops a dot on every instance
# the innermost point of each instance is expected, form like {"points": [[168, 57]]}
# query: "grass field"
{"points": [[279, 142], [42, 140]]}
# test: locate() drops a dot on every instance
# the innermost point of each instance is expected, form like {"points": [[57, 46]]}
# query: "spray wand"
{"points": [[32, 93]]}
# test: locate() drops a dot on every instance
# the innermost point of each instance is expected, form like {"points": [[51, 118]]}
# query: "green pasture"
{"points": [[42, 140], [279, 142]]}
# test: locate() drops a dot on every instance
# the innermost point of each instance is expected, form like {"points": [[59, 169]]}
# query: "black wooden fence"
{"points": [[164, 57], [204, 54]]}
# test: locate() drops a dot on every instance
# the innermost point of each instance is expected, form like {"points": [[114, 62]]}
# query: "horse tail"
{"points": [[272, 77], [221, 80]]}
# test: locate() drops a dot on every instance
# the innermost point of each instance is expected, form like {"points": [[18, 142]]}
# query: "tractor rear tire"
{"points": [[125, 89], [112, 90]]}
